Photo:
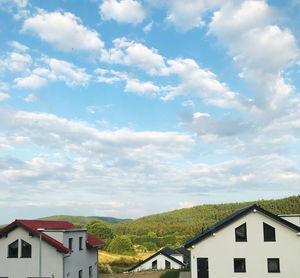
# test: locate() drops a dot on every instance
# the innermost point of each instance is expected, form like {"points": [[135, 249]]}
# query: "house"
{"points": [[66, 251], [251, 242], [166, 258]]}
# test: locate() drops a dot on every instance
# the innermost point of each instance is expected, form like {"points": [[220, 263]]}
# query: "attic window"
{"points": [[13, 249], [154, 264], [167, 265], [241, 233], [26, 250], [269, 233]]}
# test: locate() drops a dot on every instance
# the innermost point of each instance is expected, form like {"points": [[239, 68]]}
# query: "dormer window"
{"points": [[241, 233], [13, 249], [269, 233], [26, 250]]}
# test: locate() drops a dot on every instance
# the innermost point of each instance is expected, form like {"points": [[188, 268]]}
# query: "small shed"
{"points": [[166, 258]]}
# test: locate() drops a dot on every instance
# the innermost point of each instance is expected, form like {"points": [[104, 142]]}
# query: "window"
{"points": [[241, 233], [13, 249], [167, 264], [239, 265], [90, 271], [80, 274], [154, 264], [273, 265], [71, 244], [269, 233], [80, 243], [26, 250]]}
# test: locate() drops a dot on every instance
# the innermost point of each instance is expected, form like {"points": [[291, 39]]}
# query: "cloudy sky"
{"points": [[127, 107]]}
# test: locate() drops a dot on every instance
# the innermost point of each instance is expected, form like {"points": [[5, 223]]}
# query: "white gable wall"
{"points": [[178, 257], [79, 259], [293, 218], [161, 259], [52, 263], [222, 248]]}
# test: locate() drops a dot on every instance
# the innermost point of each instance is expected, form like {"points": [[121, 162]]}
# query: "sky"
{"points": [[126, 108]]}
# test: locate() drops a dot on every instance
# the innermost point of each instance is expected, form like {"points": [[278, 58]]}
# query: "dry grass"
{"points": [[143, 274], [105, 257]]}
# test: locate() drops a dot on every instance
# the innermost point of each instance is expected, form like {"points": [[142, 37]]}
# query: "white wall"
{"points": [[79, 259], [160, 263], [178, 257], [52, 264], [295, 219], [222, 249]]}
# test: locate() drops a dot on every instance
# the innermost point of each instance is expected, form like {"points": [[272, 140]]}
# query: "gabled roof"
{"points": [[168, 252], [183, 251], [33, 225], [233, 217]]}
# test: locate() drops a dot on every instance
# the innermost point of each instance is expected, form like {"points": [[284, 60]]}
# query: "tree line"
{"points": [[172, 229]]}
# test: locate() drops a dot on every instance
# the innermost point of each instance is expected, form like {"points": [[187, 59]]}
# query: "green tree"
{"points": [[121, 245], [99, 229]]}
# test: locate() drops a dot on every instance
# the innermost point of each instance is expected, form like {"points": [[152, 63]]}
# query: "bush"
{"points": [[173, 273], [104, 268], [121, 245], [122, 264]]}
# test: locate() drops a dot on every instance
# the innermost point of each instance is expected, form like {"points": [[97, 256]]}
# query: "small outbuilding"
{"points": [[166, 258]]}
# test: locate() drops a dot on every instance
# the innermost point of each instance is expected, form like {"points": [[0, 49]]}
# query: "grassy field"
{"points": [[105, 257], [114, 263]]}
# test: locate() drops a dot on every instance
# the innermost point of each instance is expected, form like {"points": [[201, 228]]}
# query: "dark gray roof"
{"points": [[233, 217], [183, 251], [168, 252]]}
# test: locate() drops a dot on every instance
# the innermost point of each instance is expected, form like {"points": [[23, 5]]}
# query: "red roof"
{"points": [[33, 225]]}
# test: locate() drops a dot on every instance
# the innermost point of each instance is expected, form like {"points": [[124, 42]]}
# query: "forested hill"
{"points": [[80, 221], [173, 228]]}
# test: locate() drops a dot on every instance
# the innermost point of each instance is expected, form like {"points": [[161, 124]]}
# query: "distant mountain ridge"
{"points": [[110, 220], [82, 220]]}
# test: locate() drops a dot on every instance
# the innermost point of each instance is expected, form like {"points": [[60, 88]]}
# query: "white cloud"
{"points": [[18, 46], [16, 62], [124, 11], [63, 30], [141, 88], [234, 19], [135, 54], [204, 84], [51, 131], [4, 96], [64, 71], [31, 98], [148, 27], [186, 14], [31, 82]]}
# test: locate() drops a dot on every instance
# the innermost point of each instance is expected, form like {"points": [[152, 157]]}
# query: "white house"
{"points": [[163, 259], [67, 251], [249, 243]]}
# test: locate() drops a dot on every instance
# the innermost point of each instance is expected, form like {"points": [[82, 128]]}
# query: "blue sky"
{"points": [[127, 108]]}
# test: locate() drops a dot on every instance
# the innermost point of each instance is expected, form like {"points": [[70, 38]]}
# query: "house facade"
{"points": [[163, 259], [249, 243], [67, 251]]}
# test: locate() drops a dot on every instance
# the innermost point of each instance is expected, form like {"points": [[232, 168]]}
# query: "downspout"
{"points": [[65, 256]]}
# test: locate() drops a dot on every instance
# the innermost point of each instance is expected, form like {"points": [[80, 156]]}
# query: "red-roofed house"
{"points": [[67, 251]]}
